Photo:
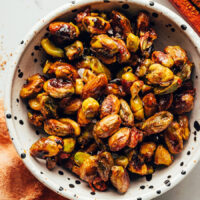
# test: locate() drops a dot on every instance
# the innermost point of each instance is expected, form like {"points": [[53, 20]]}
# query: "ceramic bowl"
{"points": [[172, 30]]}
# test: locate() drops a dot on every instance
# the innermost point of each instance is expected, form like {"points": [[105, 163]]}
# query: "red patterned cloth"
{"points": [[16, 182]]}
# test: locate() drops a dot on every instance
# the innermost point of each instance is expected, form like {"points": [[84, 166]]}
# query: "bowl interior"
{"points": [[25, 135]]}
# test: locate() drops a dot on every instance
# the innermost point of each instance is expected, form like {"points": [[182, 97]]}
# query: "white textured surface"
{"points": [[16, 18]]}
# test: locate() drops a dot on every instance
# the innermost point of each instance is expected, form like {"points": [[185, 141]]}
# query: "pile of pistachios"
{"points": [[111, 105]]}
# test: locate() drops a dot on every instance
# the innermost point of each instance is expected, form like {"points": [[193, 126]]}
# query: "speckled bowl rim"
{"points": [[194, 38]]}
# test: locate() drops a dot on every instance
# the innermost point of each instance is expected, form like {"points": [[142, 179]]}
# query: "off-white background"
{"points": [[16, 19]]}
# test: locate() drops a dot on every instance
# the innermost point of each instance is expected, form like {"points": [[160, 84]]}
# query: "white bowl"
{"points": [[168, 27]]}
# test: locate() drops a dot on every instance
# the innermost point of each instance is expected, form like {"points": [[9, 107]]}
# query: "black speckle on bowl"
{"points": [[21, 122], [23, 155], [77, 182], [37, 132], [60, 188], [173, 30], [181, 164], [20, 75], [151, 3], [8, 116], [92, 193], [183, 172], [188, 153], [155, 14], [32, 54], [151, 187], [15, 117], [74, 10], [195, 138], [17, 100], [68, 179], [71, 185], [184, 27], [149, 177], [37, 48], [158, 191], [197, 126], [125, 6], [22, 42], [60, 172], [139, 198], [169, 176], [142, 187], [41, 173]]}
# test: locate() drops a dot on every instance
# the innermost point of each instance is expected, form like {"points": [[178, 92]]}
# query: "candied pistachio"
{"points": [[124, 70], [88, 169], [69, 144], [46, 147], [92, 148], [47, 66], [132, 42], [119, 139], [123, 55], [120, 24], [162, 156], [184, 124], [79, 86], [64, 31], [74, 50], [62, 70], [93, 63], [99, 184], [107, 126], [186, 71], [51, 49], [81, 157], [34, 104], [138, 168], [143, 22], [147, 150], [165, 101], [122, 161], [48, 107], [113, 88], [88, 75], [80, 16], [177, 53], [57, 88], [95, 86], [126, 113], [146, 88], [105, 163], [137, 108], [157, 123], [136, 136], [120, 179], [177, 82], [50, 163], [81, 118], [95, 24], [150, 104], [32, 87], [110, 105], [142, 69], [173, 138], [159, 75], [135, 88], [85, 137], [70, 106], [90, 107], [74, 124], [183, 103], [162, 58], [35, 119], [58, 128]]}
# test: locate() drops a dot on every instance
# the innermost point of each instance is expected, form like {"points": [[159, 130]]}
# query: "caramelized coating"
{"points": [[64, 31], [120, 179], [33, 86], [137, 108], [80, 16], [95, 25], [186, 71], [107, 126], [147, 150], [91, 62], [158, 74], [120, 24], [105, 163], [162, 156], [69, 144], [132, 42], [162, 58], [126, 113], [82, 119], [95, 86], [177, 53], [35, 119], [173, 138], [74, 50], [113, 88], [137, 167], [143, 22], [81, 157], [184, 124], [57, 88], [165, 102], [99, 184], [123, 55], [142, 69], [150, 104], [136, 136], [122, 161], [88, 75], [110, 105], [61, 70], [79, 86], [70, 107], [157, 123], [183, 103], [58, 128], [119, 139], [135, 88], [90, 107], [46, 147]]}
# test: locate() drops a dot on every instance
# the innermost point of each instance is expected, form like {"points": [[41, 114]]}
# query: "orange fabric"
{"points": [[16, 182], [190, 9]]}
